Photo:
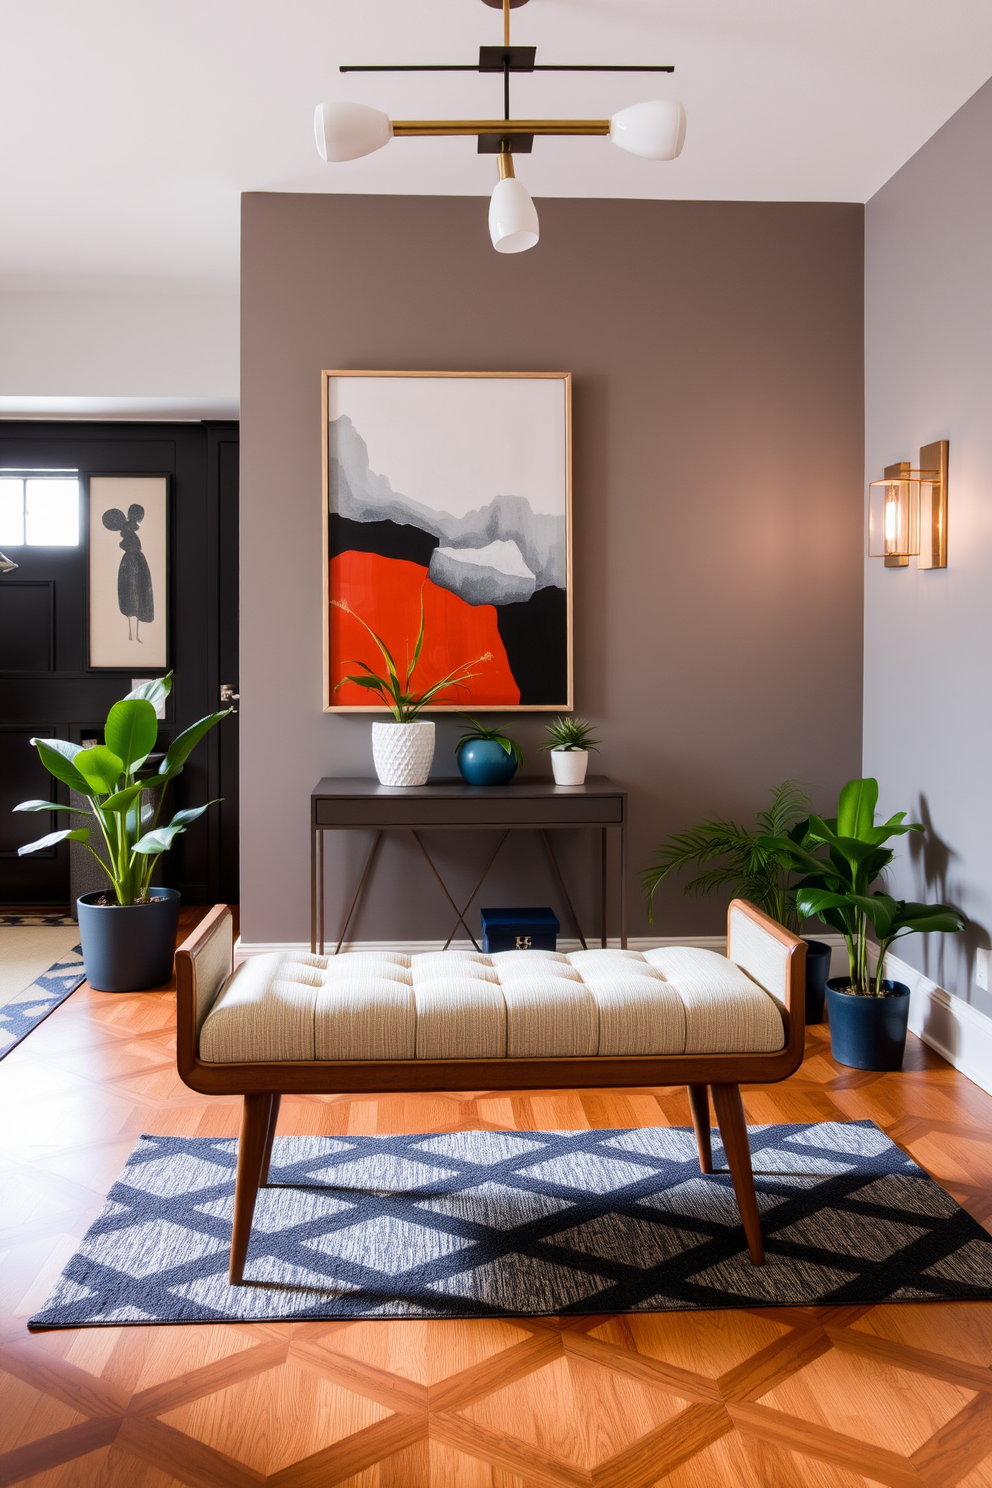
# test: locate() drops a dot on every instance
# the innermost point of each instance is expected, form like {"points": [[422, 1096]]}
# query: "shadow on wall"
{"points": [[931, 858]]}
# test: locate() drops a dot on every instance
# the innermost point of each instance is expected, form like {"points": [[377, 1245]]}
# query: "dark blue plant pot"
{"points": [[128, 947], [868, 1033], [818, 955], [486, 762]]}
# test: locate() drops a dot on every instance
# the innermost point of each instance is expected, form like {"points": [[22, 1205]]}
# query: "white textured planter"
{"points": [[570, 766], [403, 752]]}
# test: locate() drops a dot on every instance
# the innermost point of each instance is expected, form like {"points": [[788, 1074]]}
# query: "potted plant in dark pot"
{"points": [[486, 755], [744, 860], [128, 931], [868, 1013]]}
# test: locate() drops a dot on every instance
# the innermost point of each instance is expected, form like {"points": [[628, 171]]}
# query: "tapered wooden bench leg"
{"points": [[699, 1105], [263, 1176], [251, 1146], [733, 1128]]}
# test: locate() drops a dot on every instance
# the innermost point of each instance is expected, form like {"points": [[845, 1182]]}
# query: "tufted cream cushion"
{"points": [[519, 1004]]}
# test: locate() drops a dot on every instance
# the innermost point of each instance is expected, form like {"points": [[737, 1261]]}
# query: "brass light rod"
{"points": [[474, 67], [403, 127]]}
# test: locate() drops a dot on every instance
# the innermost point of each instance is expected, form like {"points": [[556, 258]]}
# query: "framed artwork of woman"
{"points": [[128, 572]]}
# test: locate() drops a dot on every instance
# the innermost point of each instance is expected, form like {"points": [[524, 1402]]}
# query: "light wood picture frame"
{"points": [[452, 490], [128, 573]]}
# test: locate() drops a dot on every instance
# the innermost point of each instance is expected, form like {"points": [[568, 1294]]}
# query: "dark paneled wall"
{"points": [[717, 355]]}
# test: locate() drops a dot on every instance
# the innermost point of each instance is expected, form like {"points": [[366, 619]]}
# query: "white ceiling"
{"points": [[129, 128]]}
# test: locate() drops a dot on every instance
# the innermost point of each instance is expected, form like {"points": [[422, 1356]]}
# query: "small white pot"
{"points": [[570, 766], [403, 752]]}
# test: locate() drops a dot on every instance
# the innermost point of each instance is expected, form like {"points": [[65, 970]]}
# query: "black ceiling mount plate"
{"points": [[498, 4], [492, 144], [496, 58]]}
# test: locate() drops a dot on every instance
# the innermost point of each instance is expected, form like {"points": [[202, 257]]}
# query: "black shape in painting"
{"points": [[134, 579]]}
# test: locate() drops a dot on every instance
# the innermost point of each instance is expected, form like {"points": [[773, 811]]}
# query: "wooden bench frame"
{"points": [[263, 1085]]}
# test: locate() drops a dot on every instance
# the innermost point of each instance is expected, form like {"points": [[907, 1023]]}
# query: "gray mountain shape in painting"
{"points": [[495, 574], [359, 494]]}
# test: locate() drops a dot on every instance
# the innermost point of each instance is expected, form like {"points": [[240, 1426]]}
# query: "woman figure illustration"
{"points": [[134, 579]]}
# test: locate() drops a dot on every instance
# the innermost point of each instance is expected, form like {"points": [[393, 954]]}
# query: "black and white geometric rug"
{"points": [[26, 1000], [497, 1223]]}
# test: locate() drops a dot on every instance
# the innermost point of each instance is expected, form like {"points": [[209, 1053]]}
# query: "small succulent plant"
{"points": [[569, 733]]}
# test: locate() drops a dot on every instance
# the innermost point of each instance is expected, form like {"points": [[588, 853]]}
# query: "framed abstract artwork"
{"points": [[128, 541], [449, 491]]}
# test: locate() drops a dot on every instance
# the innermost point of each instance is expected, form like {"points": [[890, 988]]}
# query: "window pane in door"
{"points": [[52, 513], [11, 513]]}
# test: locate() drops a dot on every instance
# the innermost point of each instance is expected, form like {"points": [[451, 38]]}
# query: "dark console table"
{"points": [[533, 805]]}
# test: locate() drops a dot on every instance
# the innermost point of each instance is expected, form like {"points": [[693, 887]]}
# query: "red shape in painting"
{"points": [[385, 592]]}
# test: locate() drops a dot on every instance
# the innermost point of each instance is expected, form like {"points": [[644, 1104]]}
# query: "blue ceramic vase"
{"points": [[486, 762]]}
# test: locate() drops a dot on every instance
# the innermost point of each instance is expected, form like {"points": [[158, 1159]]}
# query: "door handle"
{"points": [[228, 696]]}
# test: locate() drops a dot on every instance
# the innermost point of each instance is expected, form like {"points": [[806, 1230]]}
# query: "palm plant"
{"points": [[398, 695], [108, 775], [751, 861], [837, 887]]}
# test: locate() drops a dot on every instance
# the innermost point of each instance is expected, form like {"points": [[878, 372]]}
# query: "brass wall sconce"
{"points": [[907, 511]]}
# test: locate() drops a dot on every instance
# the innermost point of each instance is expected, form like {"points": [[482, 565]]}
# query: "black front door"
{"points": [[47, 686]]}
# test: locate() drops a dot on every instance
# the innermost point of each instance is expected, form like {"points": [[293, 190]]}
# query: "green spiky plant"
{"points": [[837, 886], [751, 861], [569, 733], [398, 695], [477, 730], [108, 774]]}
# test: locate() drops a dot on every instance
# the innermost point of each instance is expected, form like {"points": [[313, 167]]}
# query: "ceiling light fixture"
{"points": [[654, 130]]}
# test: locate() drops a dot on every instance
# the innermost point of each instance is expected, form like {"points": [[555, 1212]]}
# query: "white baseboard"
{"points": [[958, 1032], [245, 948]]}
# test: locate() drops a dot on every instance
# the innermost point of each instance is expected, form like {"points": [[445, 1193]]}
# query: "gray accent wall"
{"points": [[717, 355], [928, 634]]}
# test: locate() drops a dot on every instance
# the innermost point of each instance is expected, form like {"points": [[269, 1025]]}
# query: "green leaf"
{"points": [[154, 691], [100, 767], [131, 730], [856, 807], [180, 749], [160, 839], [58, 764], [76, 834], [125, 799], [49, 806]]}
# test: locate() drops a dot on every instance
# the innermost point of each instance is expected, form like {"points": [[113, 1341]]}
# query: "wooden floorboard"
{"points": [[829, 1397]]}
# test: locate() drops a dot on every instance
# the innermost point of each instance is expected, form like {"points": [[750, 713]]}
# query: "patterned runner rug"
{"points": [[497, 1223], [40, 965]]}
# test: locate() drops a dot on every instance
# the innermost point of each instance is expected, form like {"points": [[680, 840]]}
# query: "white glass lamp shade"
{"points": [[654, 130], [346, 131], [894, 518], [513, 224]]}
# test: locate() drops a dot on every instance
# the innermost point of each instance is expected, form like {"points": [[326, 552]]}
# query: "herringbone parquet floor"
{"points": [[777, 1398]]}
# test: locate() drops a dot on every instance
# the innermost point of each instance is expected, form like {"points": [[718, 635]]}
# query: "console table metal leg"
{"points": [[355, 897], [602, 885], [485, 875], [444, 889], [313, 888], [623, 886], [561, 885], [320, 890]]}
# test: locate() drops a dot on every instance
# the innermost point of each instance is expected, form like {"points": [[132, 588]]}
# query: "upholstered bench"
{"points": [[457, 1020]]}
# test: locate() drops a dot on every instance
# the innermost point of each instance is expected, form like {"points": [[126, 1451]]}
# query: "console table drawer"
{"points": [[546, 811]]}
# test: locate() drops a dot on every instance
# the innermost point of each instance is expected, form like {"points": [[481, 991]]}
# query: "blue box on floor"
{"points": [[519, 930]]}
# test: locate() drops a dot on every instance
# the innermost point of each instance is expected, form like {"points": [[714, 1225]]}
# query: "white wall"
{"points": [[108, 353], [928, 635]]}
